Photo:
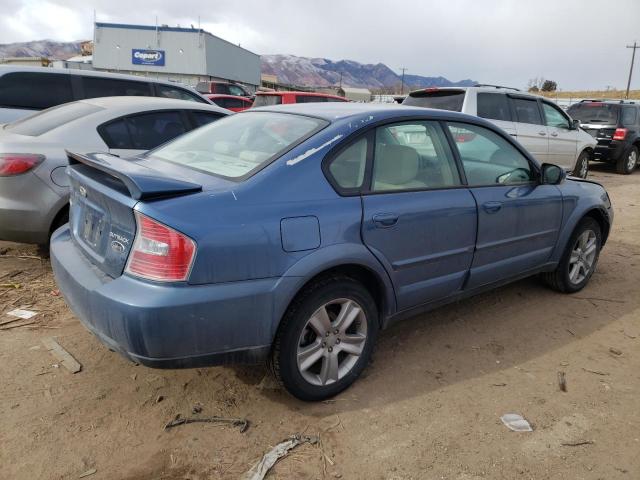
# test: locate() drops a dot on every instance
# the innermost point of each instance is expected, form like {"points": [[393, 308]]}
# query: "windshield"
{"points": [[267, 100], [46, 120], [238, 145], [441, 100], [595, 112]]}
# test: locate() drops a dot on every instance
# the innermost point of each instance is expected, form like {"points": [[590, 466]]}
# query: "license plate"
{"points": [[92, 228]]}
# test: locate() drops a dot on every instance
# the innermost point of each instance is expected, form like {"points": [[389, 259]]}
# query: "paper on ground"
{"points": [[19, 313]]}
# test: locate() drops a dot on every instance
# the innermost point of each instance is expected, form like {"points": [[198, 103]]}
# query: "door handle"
{"points": [[385, 220], [542, 133], [554, 134], [492, 207]]}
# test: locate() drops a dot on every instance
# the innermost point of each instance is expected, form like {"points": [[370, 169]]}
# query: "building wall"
{"points": [[190, 55]]}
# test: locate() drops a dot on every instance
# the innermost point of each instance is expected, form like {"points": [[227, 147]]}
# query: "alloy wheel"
{"points": [[632, 160], [332, 341], [584, 168], [583, 257]]}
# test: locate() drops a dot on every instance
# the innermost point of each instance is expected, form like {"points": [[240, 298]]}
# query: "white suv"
{"points": [[546, 131]]}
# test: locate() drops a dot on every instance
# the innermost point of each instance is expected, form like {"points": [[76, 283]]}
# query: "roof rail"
{"points": [[602, 100], [496, 86]]}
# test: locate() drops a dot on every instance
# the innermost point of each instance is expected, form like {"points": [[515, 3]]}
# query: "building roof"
{"points": [[164, 28], [364, 91]]}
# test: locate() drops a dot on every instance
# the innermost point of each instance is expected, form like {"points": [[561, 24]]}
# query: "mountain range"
{"points": [[289, 69]]}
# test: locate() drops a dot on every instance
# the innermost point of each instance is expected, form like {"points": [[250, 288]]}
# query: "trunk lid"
{"points": [[104, 192]]}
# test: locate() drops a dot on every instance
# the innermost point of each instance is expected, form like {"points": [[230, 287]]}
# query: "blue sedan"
{"points": [[295, 233]]}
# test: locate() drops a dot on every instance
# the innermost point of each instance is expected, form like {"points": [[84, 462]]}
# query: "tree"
{"points": [[549, 86]]}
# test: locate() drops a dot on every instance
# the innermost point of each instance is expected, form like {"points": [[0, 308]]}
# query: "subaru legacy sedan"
{"points": [[295, 233]]}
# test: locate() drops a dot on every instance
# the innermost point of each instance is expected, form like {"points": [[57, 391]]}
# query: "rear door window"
{"points": [[203, 118], [527, 111], [494, 106], [144, 131], [108, 87], [34, 90], [629, 116], [441, 100], [348, 167], [54, 117]]}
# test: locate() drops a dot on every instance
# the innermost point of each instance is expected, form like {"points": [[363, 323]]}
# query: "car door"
{"points": [[135, 134], [562, 139], [518, 219], [418, 219], [530, 129]]}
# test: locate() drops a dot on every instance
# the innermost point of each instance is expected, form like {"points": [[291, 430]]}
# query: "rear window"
{"points": [[108, 87], [267, 100], [441, 100], [35, 91], [310, 99], [595, 112], [238, 145], [42, 122]]}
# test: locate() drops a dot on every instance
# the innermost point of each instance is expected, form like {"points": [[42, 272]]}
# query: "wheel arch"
{"points": [[599, 216]]}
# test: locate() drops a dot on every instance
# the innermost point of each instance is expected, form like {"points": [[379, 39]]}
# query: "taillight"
{"points": [[620, 134], [17, 163], [159, 252]]}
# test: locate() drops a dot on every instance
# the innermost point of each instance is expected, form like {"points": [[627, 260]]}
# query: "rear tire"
{"points": [[325, 339], [579, 259], [582, 165], [628, 162]]}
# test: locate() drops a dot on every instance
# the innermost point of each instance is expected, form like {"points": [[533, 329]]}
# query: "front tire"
{"points": [[579, 259], [325, 339], [582, 165], [628, 162]]}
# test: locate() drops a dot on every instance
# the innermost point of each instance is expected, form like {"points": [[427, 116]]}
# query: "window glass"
{"points": [[148, 130], [442, 100], [167, 91], [116, 134], [412, 155], [488, 158], [222, 89], [267, 100], [554, 117], [45, 121], [203, 118], [238, 145], [347, 168], [234, 103], [33, 90], [629, 116], [595, 112], [109, 87], [235, 90], [494, 106], [310, 99], [527, 111]]}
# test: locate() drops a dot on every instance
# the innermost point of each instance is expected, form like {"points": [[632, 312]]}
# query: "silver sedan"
{"points": [[33, 184]]}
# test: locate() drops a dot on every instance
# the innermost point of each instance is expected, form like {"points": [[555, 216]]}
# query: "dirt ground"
{"points": [[428, 406]]}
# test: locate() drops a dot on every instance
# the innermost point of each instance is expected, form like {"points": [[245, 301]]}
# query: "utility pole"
{"points": [[402, 81], [633, 57]]}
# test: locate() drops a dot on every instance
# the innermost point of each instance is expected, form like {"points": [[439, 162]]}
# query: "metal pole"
{"points": [[402, 81], [633, 57]]}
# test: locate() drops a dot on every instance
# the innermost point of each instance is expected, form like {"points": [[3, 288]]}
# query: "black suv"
{"points": [[616, 126]]}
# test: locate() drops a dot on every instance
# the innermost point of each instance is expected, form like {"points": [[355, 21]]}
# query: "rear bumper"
{"points": [[27, 208], [611, 151], [167, 326]]}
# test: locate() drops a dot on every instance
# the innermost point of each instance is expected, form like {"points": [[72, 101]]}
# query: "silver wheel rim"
{"points": [[632, 159], [332, 341], [584, 167], [583, 256]]}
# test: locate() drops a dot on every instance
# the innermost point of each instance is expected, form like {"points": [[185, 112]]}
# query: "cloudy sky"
{"points": [[578, 43]]}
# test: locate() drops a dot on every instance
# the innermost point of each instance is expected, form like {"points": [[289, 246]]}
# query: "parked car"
{"points": [[295, 233], [34, 188], [230, 102], [615, 124], [264, 99], [25, 90], [223, 88], [542, 127]]}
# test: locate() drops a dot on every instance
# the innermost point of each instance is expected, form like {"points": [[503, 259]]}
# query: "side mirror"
{"points": [[552, 174], [575, 124]]}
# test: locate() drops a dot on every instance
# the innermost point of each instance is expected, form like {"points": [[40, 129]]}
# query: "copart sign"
{"points": [[147, 57]]}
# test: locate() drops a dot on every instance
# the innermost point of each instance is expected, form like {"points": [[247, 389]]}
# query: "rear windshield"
{"points": [[46, 120], [442, 100], [592, 112], [267, 100], [238, 145]]}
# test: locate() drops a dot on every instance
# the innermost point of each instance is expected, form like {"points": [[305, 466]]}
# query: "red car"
{"points": [[264, 99], [230, 102]]}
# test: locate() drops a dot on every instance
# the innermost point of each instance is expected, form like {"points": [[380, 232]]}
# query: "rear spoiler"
{"points": [[142, 182]]}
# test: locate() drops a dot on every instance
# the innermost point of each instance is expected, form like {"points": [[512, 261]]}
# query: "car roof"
{"points": [[89, 73], [133, 103], [311, 94], [334, 111]]}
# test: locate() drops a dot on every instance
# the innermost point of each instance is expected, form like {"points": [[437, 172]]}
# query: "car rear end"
{"points": [[452, 99], [602, 121]]}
